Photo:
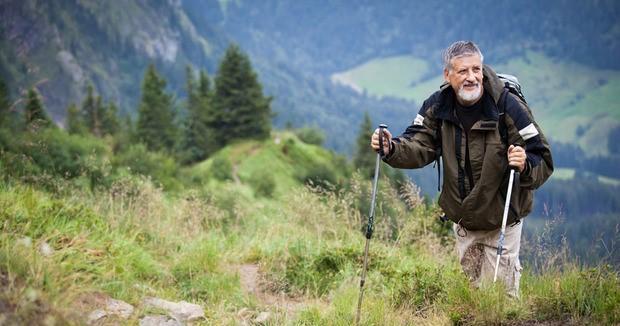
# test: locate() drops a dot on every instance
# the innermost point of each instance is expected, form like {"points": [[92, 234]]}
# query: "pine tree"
{"points": [[35, 113], [204, 86], [198, 139], [110, 123], [5, 104], [92, 111], [155, 126], [98, 118], [242, 111], [126, 135], [75, 120], [364, 158]]}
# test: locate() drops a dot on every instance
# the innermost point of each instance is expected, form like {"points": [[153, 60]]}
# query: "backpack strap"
{"points": [[503, 130], [458, 138], [438, 152]]}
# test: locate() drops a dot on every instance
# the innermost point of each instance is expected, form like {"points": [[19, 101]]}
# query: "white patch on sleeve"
{"points": [[419, 120], [528, 132]]}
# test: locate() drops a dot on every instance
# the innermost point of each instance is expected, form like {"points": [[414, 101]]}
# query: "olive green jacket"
{"points": [[474, 198]]}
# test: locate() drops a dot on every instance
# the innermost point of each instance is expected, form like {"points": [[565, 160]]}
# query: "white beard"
{"points": [[469, 96]]}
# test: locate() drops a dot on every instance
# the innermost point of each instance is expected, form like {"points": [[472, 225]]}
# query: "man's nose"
{"points": [[471, 76]]}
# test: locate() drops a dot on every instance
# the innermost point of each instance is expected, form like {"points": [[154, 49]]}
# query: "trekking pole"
{"points": [[371, 220], [500, 243]]}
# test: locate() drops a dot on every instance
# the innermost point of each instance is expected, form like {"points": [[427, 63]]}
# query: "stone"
{"points": [[45, 249], [182, 311], [113, 308], [262, 318], [96, 315], [159, 321], [119, 308], [25, 241]]}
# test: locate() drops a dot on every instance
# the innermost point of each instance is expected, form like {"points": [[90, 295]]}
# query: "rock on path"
{"points": [[159, 321], [250, 279], [181, 311], [108, 308]]}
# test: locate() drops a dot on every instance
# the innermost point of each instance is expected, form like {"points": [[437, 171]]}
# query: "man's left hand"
{"points": [[517, 157]]}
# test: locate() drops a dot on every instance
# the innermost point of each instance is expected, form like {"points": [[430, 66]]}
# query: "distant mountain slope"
{"points": [[316, 39], [294, 45], [328, 36], [63, 45]]}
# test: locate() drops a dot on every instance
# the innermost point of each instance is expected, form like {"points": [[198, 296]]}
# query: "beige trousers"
{"points": [[477, 252]]}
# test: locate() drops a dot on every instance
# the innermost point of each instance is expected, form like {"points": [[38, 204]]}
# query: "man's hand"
{"points": [[387, 138], [516, 157]]}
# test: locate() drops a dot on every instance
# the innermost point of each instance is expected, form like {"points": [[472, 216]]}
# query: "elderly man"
{"points": [[479, 129]]}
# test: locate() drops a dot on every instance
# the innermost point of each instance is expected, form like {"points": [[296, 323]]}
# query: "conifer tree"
{"points": [[5, 104], [96, 117], [364, 158], [155, 126], [126, 135], [242, 111], [110, 123], [204, 85], [75, 120], [92, 111], [198, 139], [35, 113]]}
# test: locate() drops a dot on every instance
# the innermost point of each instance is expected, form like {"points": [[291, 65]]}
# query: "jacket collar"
{"points": [[493, 88]]}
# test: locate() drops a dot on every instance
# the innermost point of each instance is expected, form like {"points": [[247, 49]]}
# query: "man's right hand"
{"points": [[387, 139]]}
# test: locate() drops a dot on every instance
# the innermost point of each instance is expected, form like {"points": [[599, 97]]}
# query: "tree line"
{"points": [[210, 117], [99, 141]]}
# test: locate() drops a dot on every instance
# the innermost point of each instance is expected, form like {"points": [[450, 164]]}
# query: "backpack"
{"points": [[511, 85]]}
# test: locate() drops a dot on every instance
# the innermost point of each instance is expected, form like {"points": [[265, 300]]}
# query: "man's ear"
{"points": [[445, 75]]}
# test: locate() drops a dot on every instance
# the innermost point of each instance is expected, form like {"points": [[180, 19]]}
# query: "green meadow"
{"points": [[300, 226]]}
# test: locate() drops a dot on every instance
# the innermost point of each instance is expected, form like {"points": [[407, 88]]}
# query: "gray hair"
{"points": [[460, 49]]}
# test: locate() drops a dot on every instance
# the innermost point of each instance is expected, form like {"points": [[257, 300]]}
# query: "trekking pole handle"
{"points": [[381, 128], [515, 168]]}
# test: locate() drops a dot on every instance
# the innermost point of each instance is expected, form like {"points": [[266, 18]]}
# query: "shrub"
{"points": [[418, 287], [320, 175], [54, 152], [161, 167], [577, 293], [317, 272], [221, 168], [311, 135], [264, 184]]}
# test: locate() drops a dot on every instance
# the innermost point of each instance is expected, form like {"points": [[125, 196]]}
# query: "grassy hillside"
{"points": [[269, 169], [569, 174], [394, 76], [572, 102], [130, 239]]}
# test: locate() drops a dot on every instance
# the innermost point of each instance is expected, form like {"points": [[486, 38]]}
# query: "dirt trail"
{"points": [[235, 177], [235, 164], [252, 282]]}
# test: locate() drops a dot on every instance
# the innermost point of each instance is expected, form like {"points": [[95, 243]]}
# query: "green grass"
{"points": [[394, 76], [563, 174], [287, 161], [569, 174], [133, 239]]}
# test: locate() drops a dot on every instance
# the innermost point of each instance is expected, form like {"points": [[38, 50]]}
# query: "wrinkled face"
{"points": [[465, 77]]}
